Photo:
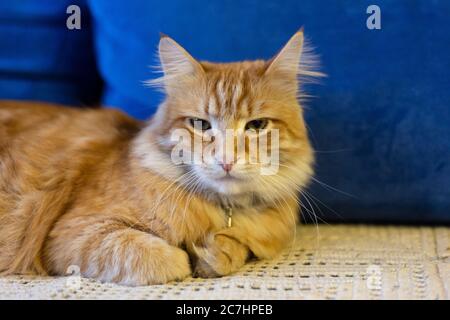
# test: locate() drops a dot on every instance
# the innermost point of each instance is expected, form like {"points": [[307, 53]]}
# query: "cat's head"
{"points": [[255, 99]]}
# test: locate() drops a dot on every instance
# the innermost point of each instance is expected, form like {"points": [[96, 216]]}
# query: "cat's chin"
{"points": [[228, 186]]}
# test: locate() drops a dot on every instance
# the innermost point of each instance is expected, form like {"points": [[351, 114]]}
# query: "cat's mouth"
{"points": [[228, 178]]}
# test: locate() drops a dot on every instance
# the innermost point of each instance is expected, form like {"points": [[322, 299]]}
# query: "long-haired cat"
{"points": [[96, 189]]}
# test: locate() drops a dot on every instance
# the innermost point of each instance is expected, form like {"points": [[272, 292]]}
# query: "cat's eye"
{"points": [[258, 124], [198, 123]]}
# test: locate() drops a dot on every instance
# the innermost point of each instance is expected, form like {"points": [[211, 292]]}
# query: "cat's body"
{"points": [[96, 189]]}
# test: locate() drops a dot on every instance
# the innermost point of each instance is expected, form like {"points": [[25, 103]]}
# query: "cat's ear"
{"points": [[177, 64], [287, 61], [292, 62]]}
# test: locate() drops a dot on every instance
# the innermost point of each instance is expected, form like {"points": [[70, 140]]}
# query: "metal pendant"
{"points": [[229, 212]]}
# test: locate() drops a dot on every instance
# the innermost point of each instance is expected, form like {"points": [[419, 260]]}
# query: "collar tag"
{"points": [[229, 212]]}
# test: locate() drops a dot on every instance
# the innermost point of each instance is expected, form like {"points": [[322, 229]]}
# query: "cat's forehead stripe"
{"points": [[211, 106], [228, 96], [235, 96], [221, 92]]}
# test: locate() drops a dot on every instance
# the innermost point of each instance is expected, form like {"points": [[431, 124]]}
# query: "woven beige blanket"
{"points": [[328, 262]]}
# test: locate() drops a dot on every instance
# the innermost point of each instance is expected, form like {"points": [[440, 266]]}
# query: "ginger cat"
{"points": [[99, 190]]}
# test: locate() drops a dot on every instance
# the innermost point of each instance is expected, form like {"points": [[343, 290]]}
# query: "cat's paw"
{"points": [[167, 264], [175, 266], [220, 255]]}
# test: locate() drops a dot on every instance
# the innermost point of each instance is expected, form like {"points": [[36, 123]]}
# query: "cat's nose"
{"points": [[226, 166]]}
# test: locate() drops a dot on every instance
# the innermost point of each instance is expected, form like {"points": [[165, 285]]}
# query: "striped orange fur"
{"points": [[96, 189]]}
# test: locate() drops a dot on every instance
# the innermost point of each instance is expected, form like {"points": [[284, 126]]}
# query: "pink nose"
{"points": [[226, 166]]}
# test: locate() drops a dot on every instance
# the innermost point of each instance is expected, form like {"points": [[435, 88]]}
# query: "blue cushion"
{"points": [[379, 122], [40, 59]]}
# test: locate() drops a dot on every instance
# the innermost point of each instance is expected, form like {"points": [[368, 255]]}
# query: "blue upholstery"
{"points": [[380, 122], [40, 59]]}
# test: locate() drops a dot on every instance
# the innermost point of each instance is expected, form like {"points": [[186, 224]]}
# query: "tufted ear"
{"points": [[287, 62], [177, 64], [294, 61]]}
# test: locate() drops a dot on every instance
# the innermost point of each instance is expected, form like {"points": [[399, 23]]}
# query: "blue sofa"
{"points": [[380, 122]]}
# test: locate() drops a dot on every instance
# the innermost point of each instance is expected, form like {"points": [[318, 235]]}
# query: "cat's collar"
{"points": [[229, 214]]}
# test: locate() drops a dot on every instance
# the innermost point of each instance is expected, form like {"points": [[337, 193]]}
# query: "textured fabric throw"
{"points": [[332, 262]]}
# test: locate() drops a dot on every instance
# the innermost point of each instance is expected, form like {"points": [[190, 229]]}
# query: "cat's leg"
{"points": [[264, 234], [115, 253], [219, 255]]}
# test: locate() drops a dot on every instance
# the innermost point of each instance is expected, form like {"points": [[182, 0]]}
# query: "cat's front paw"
{"points": [[220, 255], [163, 263], [175, 267]]}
